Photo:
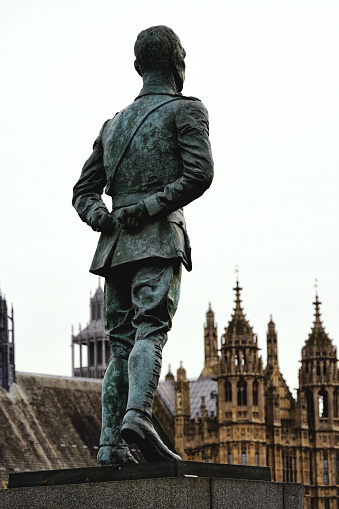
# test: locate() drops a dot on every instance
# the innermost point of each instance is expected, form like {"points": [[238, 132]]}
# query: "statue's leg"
{"points": [[155, 295], [119, 313]]}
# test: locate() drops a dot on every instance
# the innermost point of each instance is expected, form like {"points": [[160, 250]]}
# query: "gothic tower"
{"points": [[318, 398], [211, 345], [241, 412], [279, 412], [182, 410], [7, 363], [91, 343]]}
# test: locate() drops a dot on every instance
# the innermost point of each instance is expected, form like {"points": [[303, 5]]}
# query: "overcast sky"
{"points": [[267, 72]]}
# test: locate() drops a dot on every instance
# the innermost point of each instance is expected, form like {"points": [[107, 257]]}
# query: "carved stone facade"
{"points": [[238, 412]]}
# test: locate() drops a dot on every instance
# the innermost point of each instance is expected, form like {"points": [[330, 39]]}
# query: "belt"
{"points": [[124, 200]]}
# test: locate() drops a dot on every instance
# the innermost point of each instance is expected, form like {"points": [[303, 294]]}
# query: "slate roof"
{"points": [[205, 386], [49, 423], [53, 422]]}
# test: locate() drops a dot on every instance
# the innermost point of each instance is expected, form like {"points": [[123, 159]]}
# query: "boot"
{"points": [[144, 371], [113, 449]]}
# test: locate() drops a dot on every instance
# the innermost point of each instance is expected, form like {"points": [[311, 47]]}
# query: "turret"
{"points": [[318, 377], [211, 345], [272, 346], [7, 357]]}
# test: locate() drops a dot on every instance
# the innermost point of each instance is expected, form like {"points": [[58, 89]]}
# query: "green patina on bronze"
{"points": [[152, 158]]}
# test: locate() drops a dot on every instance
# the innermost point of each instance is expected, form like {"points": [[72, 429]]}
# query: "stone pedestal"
{"points": [[169, 493], [182, 485]]}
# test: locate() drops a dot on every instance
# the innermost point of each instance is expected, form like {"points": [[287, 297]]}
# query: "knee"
{"points": [[120, 350]]}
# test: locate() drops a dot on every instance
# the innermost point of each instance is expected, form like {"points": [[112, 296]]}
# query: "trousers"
{"points": [[140, 301]]}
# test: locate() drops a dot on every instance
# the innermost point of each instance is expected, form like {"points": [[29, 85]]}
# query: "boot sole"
{"points": [[132, 434]]}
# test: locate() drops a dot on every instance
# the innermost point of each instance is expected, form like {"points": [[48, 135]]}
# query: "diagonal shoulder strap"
{"points": [[131, 132]]}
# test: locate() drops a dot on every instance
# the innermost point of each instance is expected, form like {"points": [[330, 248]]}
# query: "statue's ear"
{"points": [[137, 68]]}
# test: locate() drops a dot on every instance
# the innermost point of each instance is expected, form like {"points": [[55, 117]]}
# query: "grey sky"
{"points": [[268, 74]]}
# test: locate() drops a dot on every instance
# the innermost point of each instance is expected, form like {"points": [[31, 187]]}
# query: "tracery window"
{"points": [[289, 464], [228, 391], [335, 404], [323, 403], [255, 393], [243, 457], [325, 468], [242, 393], [310, 468]]}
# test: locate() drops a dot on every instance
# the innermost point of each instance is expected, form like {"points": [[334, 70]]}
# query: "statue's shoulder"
{"points": [[192, 105], [189, 98]]}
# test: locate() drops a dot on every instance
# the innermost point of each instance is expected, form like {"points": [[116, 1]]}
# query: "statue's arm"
{"points": [[193, 140], [88, 190]]}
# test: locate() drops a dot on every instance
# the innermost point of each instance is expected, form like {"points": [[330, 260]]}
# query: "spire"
{"points": [[238, 309], [169, 375], [181, 373], [238, 324], [272, 345], [318, 338], [210, 344]]}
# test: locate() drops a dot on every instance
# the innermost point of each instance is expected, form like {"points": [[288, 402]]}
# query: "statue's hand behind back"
{"points": [[102, 222], [131, 218]]}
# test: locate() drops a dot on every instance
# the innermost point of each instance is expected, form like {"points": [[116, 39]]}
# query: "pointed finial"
{"points": [[237, 271], [181, 364], [271, 318], [99, 280], [316, 286], [209, 306]]}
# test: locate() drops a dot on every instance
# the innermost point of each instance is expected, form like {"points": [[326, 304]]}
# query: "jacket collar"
{"points": [[157, 90]]}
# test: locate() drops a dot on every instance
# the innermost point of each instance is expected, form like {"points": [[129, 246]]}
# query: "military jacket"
{"points": [[166, 163]]}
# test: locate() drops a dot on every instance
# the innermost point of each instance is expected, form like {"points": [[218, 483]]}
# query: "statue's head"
{"points": [[159, 49]]}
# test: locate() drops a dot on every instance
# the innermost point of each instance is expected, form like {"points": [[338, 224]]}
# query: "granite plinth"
{"points": [[180, 492], [141, 471]]}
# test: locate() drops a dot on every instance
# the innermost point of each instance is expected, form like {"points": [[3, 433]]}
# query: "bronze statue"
{"points": [[153, 158]]}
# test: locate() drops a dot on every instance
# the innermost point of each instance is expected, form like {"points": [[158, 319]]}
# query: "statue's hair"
{"points": [[154, 48]]}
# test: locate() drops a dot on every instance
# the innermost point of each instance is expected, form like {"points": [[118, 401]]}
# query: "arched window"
{"points": [[242, 393], [228, 391], [318, 368], [335, 404], [243, 457], [257, 458], [324, 369], [323, 404], [310, 468], [237, 360], [310, 409], [229, 458], [255, 393], [325, 468], [243, 360]]}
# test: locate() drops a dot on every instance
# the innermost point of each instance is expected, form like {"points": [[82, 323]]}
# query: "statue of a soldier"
{"points": [[152, 158]]}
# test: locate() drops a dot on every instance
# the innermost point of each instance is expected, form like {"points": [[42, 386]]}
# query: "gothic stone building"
{"points": [[240, 412]]}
